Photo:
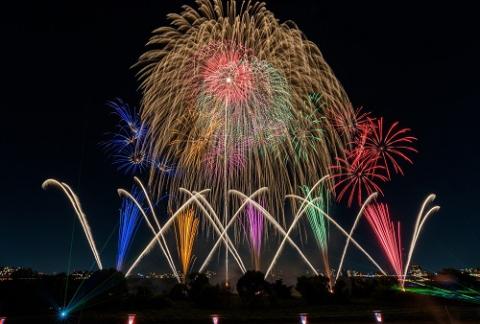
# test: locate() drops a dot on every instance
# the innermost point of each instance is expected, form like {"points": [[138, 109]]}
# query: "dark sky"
{"points": [[61, 62]]}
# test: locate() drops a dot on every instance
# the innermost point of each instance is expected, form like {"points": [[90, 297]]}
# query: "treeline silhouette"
{"points": [[28, 293]]}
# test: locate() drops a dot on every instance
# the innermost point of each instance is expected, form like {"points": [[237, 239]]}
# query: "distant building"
{"points": [[474, 272], [418, 273]]}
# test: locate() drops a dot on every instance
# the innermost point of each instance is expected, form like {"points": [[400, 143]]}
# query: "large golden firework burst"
{"points": [[237, 100]]}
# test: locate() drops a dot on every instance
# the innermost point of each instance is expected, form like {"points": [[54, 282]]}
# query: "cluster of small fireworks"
{"points": [[127, 146], [373, 156]]}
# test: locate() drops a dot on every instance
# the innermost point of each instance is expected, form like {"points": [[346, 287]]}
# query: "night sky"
{"points": [[61, 62]]}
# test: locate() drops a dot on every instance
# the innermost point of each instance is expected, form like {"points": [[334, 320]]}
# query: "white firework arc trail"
{"points": [[354, 226], [150, 205], [164, 248], [343, 231], [419, 223], [225, 230], [72, 197], [194, 198], [279, 228], [296, 219], [217, 226], [167, 224]]}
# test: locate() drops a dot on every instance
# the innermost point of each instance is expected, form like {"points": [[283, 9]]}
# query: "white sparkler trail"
{"points": [[225, 230], [217, 227], [354, 226], [297, 217], [72, 197], [167, 224], [150, 205], [342, 230], [419, 223], [277, 226], [122, 192]]}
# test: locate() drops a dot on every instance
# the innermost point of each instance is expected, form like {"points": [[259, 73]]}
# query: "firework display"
{"points": [[245, 129]]}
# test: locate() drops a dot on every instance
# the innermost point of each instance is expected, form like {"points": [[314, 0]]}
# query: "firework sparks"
{"points": [[218, 78], [356, 177], [319, 225], [387, 146], [129, 223], [254, 228], [186, 231], [127, 146], [387, 233]]}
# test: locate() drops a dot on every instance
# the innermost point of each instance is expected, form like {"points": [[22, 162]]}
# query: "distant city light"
{"points": [[378, 316], [131, 318], [303, 318]]}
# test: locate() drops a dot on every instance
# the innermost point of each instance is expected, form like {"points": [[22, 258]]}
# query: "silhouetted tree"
{"points": [[313, 289], [252, 288], [280, 290]]}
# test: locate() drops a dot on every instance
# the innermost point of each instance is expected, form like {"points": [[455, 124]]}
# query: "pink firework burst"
{"points": [[387, 233], [228, 75], [357, 176], [389, 146]]}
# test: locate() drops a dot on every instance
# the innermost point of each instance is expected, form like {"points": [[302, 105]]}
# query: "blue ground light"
{"points": [[63, 314]]}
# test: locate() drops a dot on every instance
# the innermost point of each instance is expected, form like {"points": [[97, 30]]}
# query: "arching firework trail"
{"points": [[228, 88], [72, 197], [186, 228], [387, 233]]}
